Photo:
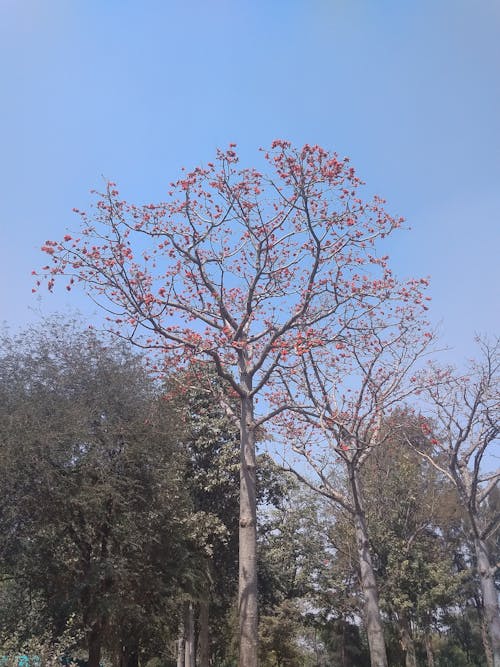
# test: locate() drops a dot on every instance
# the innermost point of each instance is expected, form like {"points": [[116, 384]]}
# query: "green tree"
{"points": [[414, 522], [307, 619], [417, 544], [211, 476], [94, 520]]}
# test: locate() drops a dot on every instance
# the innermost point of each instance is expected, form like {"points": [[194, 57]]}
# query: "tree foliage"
{"points": [[95, 521]]}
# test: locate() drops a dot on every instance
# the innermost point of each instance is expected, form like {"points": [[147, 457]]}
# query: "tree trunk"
{"points": [[486, 640], [189, 660], [374, 627], [94, 641], [407, 642], [130, 654], [204, 634], [247, 591], [343, 653], [181, 642], [429, 650], [491, 609]]}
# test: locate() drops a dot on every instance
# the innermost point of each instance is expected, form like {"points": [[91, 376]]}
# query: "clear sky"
{"points": [[134, 89]]}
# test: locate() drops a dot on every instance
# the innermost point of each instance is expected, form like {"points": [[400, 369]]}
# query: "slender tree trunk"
{"points": [[429, 651], [491, 609], [181, 642], [189, 660], [247, 591], [488, 652], [343, 655], [407, 642], [204, 634], [374, 627]]}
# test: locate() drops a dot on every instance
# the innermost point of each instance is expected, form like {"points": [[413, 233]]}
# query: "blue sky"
{"points": [[133, 90]]}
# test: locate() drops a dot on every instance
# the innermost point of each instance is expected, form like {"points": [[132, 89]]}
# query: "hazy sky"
{"points": [[134, 89]]}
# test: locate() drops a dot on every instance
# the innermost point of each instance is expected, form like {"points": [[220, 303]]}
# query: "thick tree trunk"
{"points": [[478, 602], [181, 649], [491, 609], [247, 592], [189, 660], [204, 634], [374, 627]]}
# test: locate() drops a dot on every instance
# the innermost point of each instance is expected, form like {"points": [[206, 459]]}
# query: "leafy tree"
{"points": [[289, 550], [461, 644], [243, 269], [211, 476], [279, 633], [94, 520], [344, 644], [414, 522]]}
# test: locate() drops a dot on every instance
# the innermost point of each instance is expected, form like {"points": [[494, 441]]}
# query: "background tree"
{"points": [[418, 549], [211, 475], [241, 268], [211, 441], [94, 523], [465, 427], [414, 522], [291, 552], [342, 399]]}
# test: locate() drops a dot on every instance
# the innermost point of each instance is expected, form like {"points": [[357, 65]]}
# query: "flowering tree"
{"points": [[343, 399], [464, 428], [241, 268]]}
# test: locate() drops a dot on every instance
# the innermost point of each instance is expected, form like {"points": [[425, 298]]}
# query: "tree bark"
{"points": [[129, 654], [181, 642], [189, 660], [204, 634], [374, 627], [94, 641], [343, 653], [247, 591], [486, 640], [407, 642], [429, 651], [491, 609]]}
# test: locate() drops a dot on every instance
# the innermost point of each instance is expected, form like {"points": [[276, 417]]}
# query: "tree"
{"points": [[342, 400], [304, 618], [290, 552], [463, 427], [211, 442], [240, 268], [414, 522], [211, 475], [95, 525]]}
